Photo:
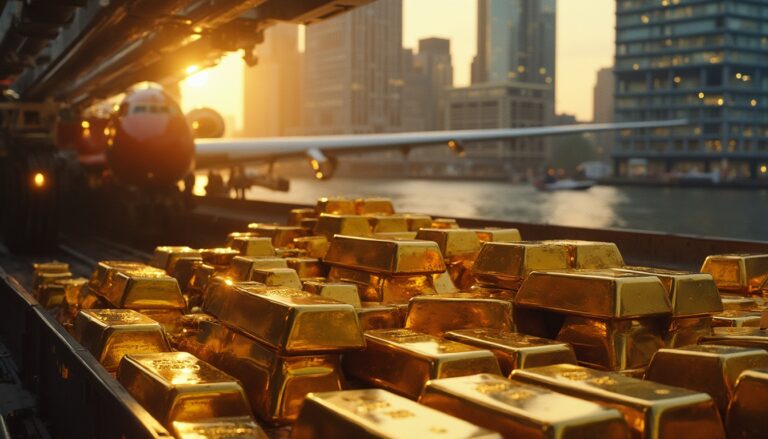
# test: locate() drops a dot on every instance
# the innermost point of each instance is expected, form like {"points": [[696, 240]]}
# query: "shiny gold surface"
{"points": [[491, 234], [234, 235], [438, 314], [307, 267], [200, 276], [385, 257], [290, 253], [315, 246], [109, 334], [390, 352], [220, 293], [708, 368], [282, 236], [184, 271], [737, 273], [417, 221], [390, 289], [44, 272], [744, 337], [519, 410], [177, 386], [375, 206], [747, 412], [506, 265], [292, 321], [687, 330], [444, 223], [143, 289], [276, 385], [514, 350], [346, 293], [379, 316], [60, 292], [276, 277], [732, 302], [376, 413], [388, 223], [459, 248], [329, 225], [652, 410], [104, 272], [296, 215], [165, 257], [218, 256], [737, 319], [41, 280], [308, 224], [242, 268], [590, 254], [219, 428], [169, 319], [335, 205]]}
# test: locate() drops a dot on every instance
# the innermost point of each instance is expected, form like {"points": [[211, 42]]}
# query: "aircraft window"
{"points": [[139, 109]]}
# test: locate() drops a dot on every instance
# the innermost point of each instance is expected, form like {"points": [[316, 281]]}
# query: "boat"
{"points": [[566, 184]]}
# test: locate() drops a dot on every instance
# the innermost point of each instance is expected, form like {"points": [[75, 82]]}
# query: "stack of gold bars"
{"points": [[356, 321]]}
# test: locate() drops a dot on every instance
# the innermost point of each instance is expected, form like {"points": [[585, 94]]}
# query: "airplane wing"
{"points": [[322, 151]]}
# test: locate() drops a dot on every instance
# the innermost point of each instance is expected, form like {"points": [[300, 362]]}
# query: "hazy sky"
{"points": [[585, 43]]}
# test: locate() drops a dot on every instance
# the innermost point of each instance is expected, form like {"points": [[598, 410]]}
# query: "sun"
{"points": [[198, 80]]}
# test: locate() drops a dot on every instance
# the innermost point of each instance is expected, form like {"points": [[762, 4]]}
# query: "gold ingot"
{"points": [[60, 292], [144, 289], [388, 223], [746, 414], [104, 272], [45, 272], [315, 246], [507, 264], [459, 248], [177, 386], [389, 352], [338, 206], [737, 273], [379, 316], [201, 275], [42, 280], [253, 246], [50, 267], [219, 257], [219, 428], [389, 289], [184, 271], [491, 234], [296, 215], [711, 369], [385, 257], [329, 225], [417, 221], [277, 277], [732, 302], [242, 268], [292, 321], [109, 334], [169, 319], [374, 206], [220, 294], [290, 253], [376, 413], [444, 223], [72, 290], [306, 267], [743, 337], [165, 257], [234, 235], [308, 224], [345, 293], [275, 384], [652, 410], [516, 351], [519, 410], [590, 254], [687, 330], [395, 235], [438, 314], [737, 319], [204, 337], [282, 236]]}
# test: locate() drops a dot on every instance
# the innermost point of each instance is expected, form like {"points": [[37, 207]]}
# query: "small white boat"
{"points": [[567, 184]]}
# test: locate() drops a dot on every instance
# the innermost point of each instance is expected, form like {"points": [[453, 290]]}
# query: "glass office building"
{"points": [[705, 61]]}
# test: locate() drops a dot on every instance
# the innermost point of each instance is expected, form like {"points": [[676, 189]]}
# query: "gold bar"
{"points": [[417, 221], [743, 337], [307, 267], [385, 257], [220, 294], [315, 246], [329, 225], [345, 293], [277, 277], [104, 272], [242, 267], [708, 368], [276, 385], [45, 272], [438, 314], [184, 271], [177, 386], [395, 235], [389, 352], [282, 236], [737, 273], [165, 257], [379, 316], [253, 246], [109, 334], [376, 413], [169, 319], [72, 290], [732, 302], [737, 319], [308, 224], [296, 215], [459, 248], [389, 289], [444, 223], [200, 276], [652, 410], [204, 337], [60, 292], [491, 234], [219, 257], [234, 235], [518, 410], [290, 253], [219, 428], [42, 280], [746, 414], [388, 223], [516, 351], [143, 289], [506, 264], [337, 206], [374, 206], [590, 254], [292, 321]]}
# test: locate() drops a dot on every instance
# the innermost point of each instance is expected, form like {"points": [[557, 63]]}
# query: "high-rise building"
{"points": [[434, 60], [272, 90], [353, 71], [602, 111], [515, 41], [704, 61]]}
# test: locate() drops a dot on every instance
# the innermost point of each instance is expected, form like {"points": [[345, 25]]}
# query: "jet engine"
{"points": [[206, 123]]}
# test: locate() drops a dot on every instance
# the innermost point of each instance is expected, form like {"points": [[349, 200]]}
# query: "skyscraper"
{"points": [[353, 71], [603, 106], [700, 60], [434, 61], [515, 41]]}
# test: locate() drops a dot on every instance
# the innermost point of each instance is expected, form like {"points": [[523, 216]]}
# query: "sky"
{"points": [[585, 43]]}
